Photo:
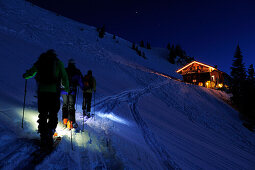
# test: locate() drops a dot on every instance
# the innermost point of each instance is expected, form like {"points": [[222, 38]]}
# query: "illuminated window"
{"points": [[213, 78], [208, 84], [212, 84], [194, 81], [220, 85], [200, 84]]}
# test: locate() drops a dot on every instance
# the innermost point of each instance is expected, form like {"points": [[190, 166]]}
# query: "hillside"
{"points": [[144, 119]]}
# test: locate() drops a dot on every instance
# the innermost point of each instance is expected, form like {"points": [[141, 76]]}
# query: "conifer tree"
{"points": [[249, 109], [142, 44], [172, 56], [114, 37], [133, 46], [143, 55], [168, 46], [238, 75], [136, 49], [139, 52], [102, 32], [148, 46], [251, 75]]}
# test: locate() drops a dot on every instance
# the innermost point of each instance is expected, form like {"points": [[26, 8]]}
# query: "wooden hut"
{"points": [[203, 75]]}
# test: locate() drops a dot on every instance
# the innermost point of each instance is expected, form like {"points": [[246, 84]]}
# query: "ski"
{"points": [[39, 155], [56, 142]]}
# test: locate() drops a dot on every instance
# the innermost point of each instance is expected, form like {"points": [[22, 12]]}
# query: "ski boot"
{"points": [[88, 115], [69, 125], [65, 120]]}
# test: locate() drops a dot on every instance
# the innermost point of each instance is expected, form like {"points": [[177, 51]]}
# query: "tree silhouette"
{"points": [[251, 75], [101, 32], [133, 46], [249, 109], [168, 46], [148, 46], [143, 55], [142, 44], [238, 75]]}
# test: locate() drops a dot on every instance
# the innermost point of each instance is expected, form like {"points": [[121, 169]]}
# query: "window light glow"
{"points": [[207, 84], [220, 85]]}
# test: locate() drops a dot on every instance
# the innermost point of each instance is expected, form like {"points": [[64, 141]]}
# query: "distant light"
{"points": [[113, 117]]}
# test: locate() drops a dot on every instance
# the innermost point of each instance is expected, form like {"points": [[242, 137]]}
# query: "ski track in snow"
{"points": [[18, 152], [131, 97], [151, 140], [96, 150]]}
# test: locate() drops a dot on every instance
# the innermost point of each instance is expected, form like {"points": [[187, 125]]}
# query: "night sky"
{"points": [[209, 30]]}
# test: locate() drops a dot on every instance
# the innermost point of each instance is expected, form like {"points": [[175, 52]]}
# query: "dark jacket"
{"points": [[75, 79]]}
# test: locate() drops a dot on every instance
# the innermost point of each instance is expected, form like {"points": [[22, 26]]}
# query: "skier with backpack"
{"points": [[89, 83], [49, 72], [69, 98]]}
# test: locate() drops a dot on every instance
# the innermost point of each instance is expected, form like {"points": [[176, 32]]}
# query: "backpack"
{"points": [[88, 82], [46, 66]]}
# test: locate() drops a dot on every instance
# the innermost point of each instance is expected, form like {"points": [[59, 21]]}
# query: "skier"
{"points": [[89, 83], [69, 98], [49, 71]]}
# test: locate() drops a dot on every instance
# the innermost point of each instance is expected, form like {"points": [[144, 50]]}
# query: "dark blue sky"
{"points": [[209, 30]]}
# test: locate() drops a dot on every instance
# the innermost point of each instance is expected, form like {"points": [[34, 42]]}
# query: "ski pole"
{"points": [[83, 123], [71, 139], [83, 113], [24, 103], [94, 105], [76, 98]]}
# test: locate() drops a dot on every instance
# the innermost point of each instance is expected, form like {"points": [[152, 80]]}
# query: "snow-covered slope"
{"points": [[144, 120]]}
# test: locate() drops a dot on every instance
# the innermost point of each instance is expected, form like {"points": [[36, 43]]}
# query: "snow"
{"points": [[144, 119]]}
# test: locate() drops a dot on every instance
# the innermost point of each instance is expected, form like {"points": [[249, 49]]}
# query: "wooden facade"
{"points": [[203, 75]]}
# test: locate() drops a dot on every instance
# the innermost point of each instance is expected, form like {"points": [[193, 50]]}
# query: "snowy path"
{"points": [[132, 97], [92, 148]]}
